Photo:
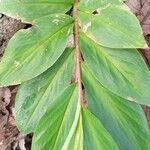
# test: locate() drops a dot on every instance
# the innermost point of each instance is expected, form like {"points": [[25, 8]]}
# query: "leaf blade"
{"points": [[41, 91], [31, 9], [31, 52], [124, 120], [123, 31], [92, 5], [117, 69], [95, 135], [57, 126]]}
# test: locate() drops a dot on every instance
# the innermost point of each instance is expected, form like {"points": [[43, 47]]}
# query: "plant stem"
{"points": [[77, 54]]}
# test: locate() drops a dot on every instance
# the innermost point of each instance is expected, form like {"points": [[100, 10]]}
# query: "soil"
{"points": [[10, 138]]}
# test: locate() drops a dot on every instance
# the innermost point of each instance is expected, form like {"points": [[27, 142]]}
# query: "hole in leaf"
{"points": [[28, 26], [95, 12]]}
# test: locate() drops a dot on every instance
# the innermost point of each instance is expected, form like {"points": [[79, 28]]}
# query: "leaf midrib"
{"points": [[62, 120], [64, 114], [73, 127]]}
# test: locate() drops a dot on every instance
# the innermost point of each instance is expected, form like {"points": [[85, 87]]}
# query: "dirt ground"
{"points": [[10, 138]]}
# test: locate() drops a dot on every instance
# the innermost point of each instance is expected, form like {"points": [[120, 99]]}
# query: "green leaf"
{"points": [[113, 27], [35, 96], [92, 5], [124, 120], [121, 71], [59, 123], [64, 122], [96, 136], [76, 141], [29, 10], [63, 112], [31, 52]]}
